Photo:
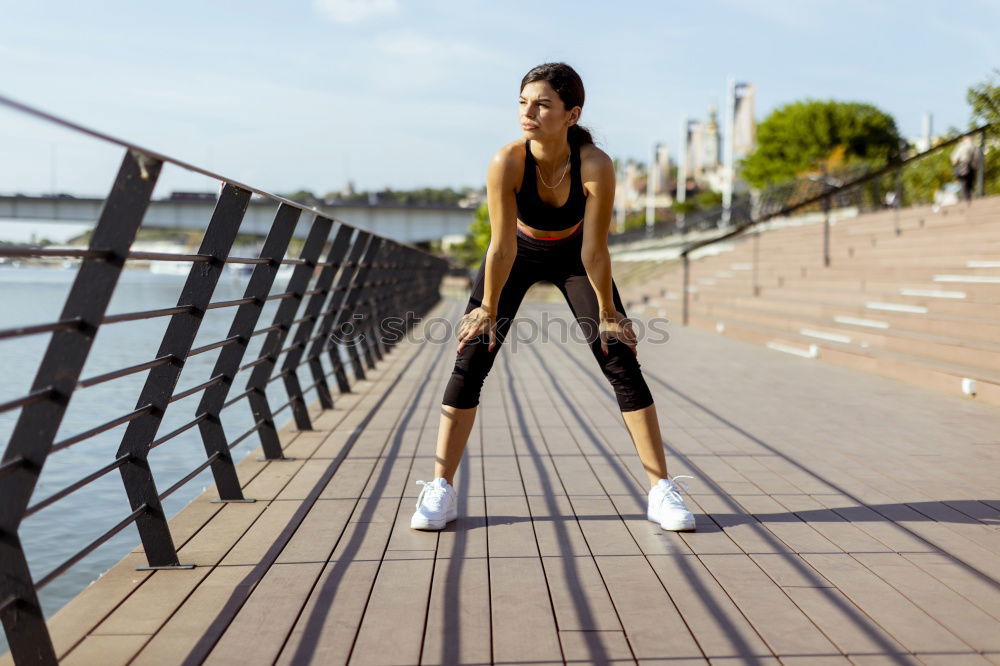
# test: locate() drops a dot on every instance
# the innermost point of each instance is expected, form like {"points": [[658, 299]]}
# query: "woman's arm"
{"points": [[500, 254], [599, 182], [503, 227]]}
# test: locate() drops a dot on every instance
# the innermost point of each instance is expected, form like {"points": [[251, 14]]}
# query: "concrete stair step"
{"points": [[868, 332], [947, 378]]}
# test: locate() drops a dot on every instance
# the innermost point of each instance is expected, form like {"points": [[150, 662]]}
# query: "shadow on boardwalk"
{"points": [[842, 518]]}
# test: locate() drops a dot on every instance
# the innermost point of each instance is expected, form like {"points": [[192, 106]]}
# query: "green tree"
{"points": [[304, 197], [923, 177], [984, 98], [800, 137], [702, 200], [470, 251]]}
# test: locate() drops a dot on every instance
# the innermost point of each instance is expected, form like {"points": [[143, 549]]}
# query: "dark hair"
{"points": [[569, 86]]}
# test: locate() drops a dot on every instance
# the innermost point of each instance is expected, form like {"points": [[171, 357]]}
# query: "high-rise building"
{"points": [[703, 146], [744, 122]]}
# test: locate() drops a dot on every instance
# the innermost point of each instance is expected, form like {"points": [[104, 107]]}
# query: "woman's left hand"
{"points": [[619, 327]]}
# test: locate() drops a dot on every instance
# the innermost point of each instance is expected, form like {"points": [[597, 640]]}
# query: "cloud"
{"points": [[422, 50], [352, 11], [414, 44]]}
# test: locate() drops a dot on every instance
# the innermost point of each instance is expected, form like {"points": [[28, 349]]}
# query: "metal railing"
{"points": [[860, 188], [356, 278]]}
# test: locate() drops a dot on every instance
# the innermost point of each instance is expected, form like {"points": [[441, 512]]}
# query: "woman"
{"points": [[550, 196]]}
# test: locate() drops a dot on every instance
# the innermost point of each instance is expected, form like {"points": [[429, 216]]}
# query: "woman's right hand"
{"points": [[475, 323]]}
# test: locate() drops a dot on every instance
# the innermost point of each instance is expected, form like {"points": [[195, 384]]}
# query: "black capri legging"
{"points": [[556, 261]]}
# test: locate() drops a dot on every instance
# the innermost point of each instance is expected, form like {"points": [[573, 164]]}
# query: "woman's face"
{"points": [[542, 113]]}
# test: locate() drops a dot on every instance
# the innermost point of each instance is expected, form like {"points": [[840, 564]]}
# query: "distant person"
{"points": [[965, 165], [550, 194]]}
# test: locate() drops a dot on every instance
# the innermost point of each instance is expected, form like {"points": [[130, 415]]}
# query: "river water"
{"points": [[34, 295]]}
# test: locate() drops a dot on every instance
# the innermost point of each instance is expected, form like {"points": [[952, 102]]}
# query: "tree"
{"points": [[471, 250], [985, 101], [801, 136], [923, 177], [304, 197]]}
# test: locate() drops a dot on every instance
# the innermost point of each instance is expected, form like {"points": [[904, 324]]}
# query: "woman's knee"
{"points": [[621, 368], [472, 366]]}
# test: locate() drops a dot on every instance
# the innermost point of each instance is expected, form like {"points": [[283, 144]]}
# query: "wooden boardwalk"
{"points": [[842, 518]]}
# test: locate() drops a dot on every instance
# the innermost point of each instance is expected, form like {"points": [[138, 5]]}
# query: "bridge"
{"points": [[404, 224], [846, 512]]}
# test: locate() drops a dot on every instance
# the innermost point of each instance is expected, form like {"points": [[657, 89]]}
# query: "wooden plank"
{"points": [[746, 533], [863, 641], [847, 536], [318, 534], [978, 629], [655, 629], [105, 650], [596, 647], [325, 629], [399, 597], [907, 623], [523, 623], [780, 623], [523, 627], [717, 624], [264, 620], [193, 621], [145, 611], [211, 544], [458, 613], [983, 593], [797, 535], [72, 622], [260, 537], [396, 608]]}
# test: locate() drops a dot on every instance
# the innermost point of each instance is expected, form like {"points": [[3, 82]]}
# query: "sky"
{"points": [[421, 93]]}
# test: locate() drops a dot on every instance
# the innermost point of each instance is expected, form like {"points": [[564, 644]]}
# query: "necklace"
{"points": [[565, 169]]}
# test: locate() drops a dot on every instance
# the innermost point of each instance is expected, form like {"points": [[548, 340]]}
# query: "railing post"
{"points": [[302, 335], [58, 374], [375, 312], [826, 230], [981, 171], [345, 325], [897, 200], [684, 287], [228, 363], [260, 375], [182, 329], [359, 289], [328, 334], [407, 273], [756, 259]]}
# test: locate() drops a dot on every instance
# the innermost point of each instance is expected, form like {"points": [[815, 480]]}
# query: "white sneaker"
{"points": [[437, 504], [667, 508]]}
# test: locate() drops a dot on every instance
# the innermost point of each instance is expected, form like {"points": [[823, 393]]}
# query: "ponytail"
{"points": [[579, 135]]}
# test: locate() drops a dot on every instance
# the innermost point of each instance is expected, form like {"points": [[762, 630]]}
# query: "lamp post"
{"points": [[682, 158], [651, 177]]}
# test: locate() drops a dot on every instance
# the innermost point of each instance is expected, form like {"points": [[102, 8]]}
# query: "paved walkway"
{"points": [[842, 518]]}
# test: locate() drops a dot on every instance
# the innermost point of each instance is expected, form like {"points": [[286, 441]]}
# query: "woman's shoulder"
{"points": [[594, 161], [512, 152], [509, 159], [589, 153]]}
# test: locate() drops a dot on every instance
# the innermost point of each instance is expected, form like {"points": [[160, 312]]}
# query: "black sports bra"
{"points": [[539, 215]]}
